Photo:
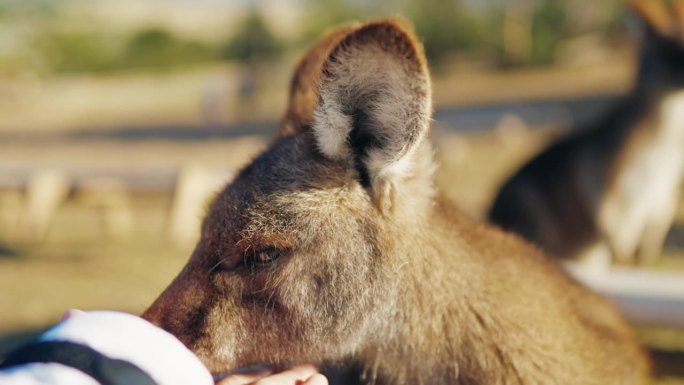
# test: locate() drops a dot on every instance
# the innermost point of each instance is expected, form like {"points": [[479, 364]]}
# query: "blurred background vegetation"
{"points": [[49, 37], [89, 64]]}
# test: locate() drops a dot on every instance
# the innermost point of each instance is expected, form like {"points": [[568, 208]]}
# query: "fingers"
{"points": [[243, 379], [293, 376], [244, 375], [298, 375], [317, 379], [70, 314]]}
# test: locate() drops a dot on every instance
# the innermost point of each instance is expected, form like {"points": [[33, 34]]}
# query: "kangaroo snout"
{"points": [[185, 309], [182, 308]]}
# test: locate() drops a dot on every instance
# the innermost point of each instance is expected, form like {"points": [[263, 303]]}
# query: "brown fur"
{"points": [[610, 189], [304, 85], [415, 292]]}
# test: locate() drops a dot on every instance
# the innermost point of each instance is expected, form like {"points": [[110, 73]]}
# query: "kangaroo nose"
{"points": [[161, 314], [167, 307]]}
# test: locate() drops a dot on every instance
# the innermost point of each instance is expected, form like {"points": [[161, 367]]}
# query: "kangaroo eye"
{"points": [[264, 256]]}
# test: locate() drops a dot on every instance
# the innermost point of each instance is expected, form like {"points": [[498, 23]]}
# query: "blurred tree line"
{"points": [[505, 33]]}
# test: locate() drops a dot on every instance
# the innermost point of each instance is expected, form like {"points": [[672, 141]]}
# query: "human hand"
{"points": [[70, 314], [298, 375]]}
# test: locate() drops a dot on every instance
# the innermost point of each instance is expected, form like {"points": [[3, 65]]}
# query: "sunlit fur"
{"points": [[376, 268], [612, 185]]}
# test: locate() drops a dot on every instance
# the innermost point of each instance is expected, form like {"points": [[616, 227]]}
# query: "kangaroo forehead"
{"points": [[284, 190], [291, 164], [286, 220]]}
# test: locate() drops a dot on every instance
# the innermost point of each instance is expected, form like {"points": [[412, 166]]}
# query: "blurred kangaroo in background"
{"points": [[334, 246], [610, 190]]}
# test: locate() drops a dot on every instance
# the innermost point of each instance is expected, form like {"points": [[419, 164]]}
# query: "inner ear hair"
{"points": [[304, 85], [374, 100]]}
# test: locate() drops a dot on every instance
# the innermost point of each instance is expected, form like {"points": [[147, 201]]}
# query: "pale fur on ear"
{"points": [[305, 81], [374, 102]]}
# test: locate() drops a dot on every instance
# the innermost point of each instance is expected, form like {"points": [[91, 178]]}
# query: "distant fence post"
{"points": [[195, 187], [110, 197], [645, 297], [11, 208], [511, 130], [45, 192]]}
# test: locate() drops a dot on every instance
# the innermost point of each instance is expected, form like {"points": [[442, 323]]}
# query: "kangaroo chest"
{"points": [[652, 170]]}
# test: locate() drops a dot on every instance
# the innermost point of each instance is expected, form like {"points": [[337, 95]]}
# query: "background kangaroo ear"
{"points": [[656, 16], [304, 85], [374, 102], [678, 10]]}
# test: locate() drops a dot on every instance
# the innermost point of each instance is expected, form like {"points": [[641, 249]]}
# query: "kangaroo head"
{"points": [[662, 42], [299, 256]]}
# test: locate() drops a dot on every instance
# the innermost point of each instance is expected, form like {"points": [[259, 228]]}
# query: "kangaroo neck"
{"points": [[439, 315]]}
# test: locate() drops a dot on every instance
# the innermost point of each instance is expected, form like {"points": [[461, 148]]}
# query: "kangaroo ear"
{"points": [[655, 16], [374, 102], [678, 9], [304, 85]]}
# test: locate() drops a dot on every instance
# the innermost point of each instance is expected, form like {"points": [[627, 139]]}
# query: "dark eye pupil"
{"points": [[266, 256]]}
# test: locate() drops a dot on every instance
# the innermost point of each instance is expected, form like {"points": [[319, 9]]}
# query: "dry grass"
{"points": [[76, 267]]}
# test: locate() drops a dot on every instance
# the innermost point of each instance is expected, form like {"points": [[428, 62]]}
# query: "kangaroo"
{"points": [[335, 246], [610, 191]]}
